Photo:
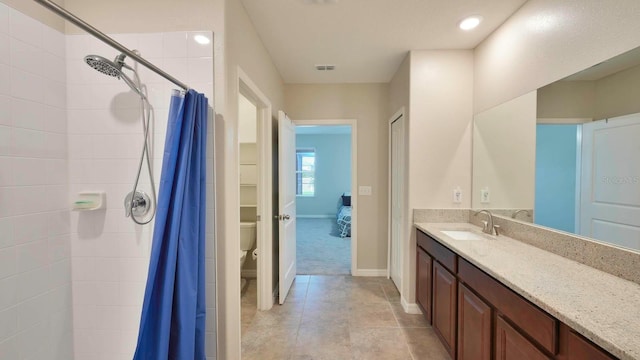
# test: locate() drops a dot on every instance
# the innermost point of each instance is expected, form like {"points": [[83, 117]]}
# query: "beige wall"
{"points": [[38, 12], [440, 121], [399, 88], [504, 154], [546, 40], [440, 127], [369, 105]]}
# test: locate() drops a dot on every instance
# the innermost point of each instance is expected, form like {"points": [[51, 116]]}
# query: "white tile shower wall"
{"points": [[110, 254], [35, 264]]}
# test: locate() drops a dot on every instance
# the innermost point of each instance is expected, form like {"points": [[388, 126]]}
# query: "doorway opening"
{"points": [[325, 209], [255, 181]]}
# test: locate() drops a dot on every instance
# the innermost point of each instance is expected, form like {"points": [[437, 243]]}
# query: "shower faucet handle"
{"points": [[138, 206]]}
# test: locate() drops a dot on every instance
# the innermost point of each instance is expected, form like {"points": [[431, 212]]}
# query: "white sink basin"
{"points": [[463, 235]]}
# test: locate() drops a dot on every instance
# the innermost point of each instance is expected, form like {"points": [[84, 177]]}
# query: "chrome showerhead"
{"points": [[113, 68], [104, 65]]}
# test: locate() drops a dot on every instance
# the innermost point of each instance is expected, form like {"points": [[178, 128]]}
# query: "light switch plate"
{"points": [[364, 190]]}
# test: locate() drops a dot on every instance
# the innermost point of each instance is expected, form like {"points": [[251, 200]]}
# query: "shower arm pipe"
{"points": [[108, 40]]}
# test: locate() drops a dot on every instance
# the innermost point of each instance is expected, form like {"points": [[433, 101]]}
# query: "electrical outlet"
{"points": [[457, 195], [484, 196], [364, 190]]}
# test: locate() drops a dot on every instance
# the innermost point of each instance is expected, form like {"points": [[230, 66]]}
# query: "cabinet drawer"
{"points": [[445, 256], [536, 323]]}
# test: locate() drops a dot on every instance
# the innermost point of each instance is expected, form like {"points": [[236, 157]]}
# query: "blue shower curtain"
{"points": [[172, 325]]}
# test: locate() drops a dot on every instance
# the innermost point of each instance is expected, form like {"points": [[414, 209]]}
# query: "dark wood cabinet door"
{"points": [[474, 326], [423, 285], [511, 345], [445, 306], [574, 346]]}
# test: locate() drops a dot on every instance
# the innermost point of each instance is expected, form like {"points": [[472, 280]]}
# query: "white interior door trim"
{"points": [[398, 114], [264, 227], [354, 179]]}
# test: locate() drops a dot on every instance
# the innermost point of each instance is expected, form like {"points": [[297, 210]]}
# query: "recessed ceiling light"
{"points": [[470, 23], [201, 39]]}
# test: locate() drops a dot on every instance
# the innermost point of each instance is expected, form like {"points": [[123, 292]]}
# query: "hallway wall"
{"points": [[369, 105]]}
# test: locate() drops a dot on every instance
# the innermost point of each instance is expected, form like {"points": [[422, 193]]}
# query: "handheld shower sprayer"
{"points": [[137, 203]]}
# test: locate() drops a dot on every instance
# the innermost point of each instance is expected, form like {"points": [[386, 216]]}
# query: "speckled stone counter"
{"points": [[602, 307]]}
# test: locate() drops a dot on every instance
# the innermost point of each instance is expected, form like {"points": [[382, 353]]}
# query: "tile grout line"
{"points": [[304, 304], [404, 338]]}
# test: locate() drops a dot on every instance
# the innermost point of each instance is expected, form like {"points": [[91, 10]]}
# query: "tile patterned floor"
{"points": [[336, 318]]}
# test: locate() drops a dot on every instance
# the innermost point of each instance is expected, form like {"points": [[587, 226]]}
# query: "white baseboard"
{"points": [[315, 216], [370, 272], [410, 308], [249, 273]]}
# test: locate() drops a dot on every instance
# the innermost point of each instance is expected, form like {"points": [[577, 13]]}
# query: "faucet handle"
{"points": [[496, 228]]}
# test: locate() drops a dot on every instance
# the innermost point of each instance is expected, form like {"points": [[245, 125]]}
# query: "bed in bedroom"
{"points": [[344, 215]]}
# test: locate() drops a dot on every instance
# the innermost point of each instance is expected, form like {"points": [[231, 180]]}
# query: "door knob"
{"points": [[282, 217]]}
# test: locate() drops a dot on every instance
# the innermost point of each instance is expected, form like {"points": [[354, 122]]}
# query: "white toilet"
{"points": [[247, 240]]}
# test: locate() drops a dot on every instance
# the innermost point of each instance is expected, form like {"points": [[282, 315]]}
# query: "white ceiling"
{"points": [[366, 39]]}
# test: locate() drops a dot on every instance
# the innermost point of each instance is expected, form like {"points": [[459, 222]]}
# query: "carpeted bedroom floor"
{"points": [[319, 249]]}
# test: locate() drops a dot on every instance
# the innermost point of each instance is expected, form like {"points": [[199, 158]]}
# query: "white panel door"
{"points": [[397, 200], [610, 199], [287, 203]]}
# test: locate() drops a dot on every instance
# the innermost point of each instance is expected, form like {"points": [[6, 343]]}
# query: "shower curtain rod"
{"points": [[111, 42]]}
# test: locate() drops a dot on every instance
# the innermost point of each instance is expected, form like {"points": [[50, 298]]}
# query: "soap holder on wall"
{"points": [[88, 201]]}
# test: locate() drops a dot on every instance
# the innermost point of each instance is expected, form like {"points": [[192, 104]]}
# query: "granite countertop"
{"points": [[598, 305]]}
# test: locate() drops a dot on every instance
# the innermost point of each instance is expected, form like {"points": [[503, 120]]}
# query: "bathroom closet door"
{"points": [[287, 202], [610, 200]]}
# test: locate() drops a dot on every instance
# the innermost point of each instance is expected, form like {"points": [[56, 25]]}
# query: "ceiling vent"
{"points": [[321, 2], [325, 67]]}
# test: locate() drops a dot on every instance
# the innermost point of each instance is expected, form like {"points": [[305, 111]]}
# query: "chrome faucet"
{"points": [[488, 226], [515, 213]]}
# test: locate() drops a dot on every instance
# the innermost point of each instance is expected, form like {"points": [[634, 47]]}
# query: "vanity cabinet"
{"points": [[474, 326], [477, 317]]}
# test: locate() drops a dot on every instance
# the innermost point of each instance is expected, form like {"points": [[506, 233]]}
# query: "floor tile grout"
{"points": [[358, 310]]}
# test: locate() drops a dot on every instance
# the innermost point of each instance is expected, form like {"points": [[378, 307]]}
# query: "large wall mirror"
{"points": [[567, 156]]}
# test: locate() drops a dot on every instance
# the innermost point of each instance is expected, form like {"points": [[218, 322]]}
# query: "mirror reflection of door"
{"points": [[610, 201]]}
